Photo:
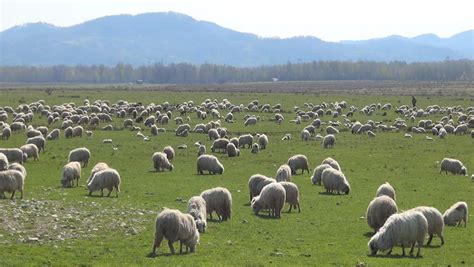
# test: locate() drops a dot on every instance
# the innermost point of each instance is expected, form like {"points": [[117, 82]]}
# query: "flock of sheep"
{"points": [[391, 228]]}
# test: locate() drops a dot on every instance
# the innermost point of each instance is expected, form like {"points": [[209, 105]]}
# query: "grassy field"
{"points": [[56, 226]]}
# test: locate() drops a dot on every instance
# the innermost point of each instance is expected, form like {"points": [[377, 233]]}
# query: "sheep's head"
{"points": [[65, 183], [373, 247], [346, 189], [255, 204], [464, 171], [220, 169], [171, 167]]}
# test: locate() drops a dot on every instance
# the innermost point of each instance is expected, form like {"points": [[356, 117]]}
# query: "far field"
{"points": [[57, 226]]}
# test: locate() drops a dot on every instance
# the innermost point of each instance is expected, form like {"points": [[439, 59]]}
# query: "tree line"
{"points": [[183, 73]]}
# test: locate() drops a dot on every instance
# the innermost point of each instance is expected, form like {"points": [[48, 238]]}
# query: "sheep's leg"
{"points": [[21, 194], [180, 247], [299, 209], [442, 239], [419, 248], [412, 248], [116, 190], [102, 192], [289, 210], [465, 222], [13, 194], [210, 216], [389, 252], [429, 240], [403, 250], [170, 245], [110, 191], [219, 217]]}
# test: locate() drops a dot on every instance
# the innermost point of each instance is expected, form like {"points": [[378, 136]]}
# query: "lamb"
{"points": [[379, 210], [255, 148], [298, 162], [169, 151], [246, 139], [12, 181], [263, 141], [317, 173], [405, 229], [283, 173], [332, 162], [334, 180], [108, 179], [161, 162], [197, 209], [218, 200], [31, 150], [232, 151], [272, 197], [201, 150], [53, 135], [175, 226], [457, 213], [81, 154], [97, 168], [329, 141], [13, 154], [39, 141], [18, 167], [386, 189], [209, 163], [3, 162], [71, 172], [453, 166], [292, 195], [435, 222], [256, 183]]}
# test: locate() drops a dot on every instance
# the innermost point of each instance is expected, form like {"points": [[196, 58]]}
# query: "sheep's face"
{"points": [[255, 204], [373, 247], [171, 167], [92, 187], [464, 171], [220, 170], [346, 189], [65, 183], [201, 225]]}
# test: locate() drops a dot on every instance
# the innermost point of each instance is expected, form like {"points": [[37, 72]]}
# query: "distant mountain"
{"points": [[172, 38]]}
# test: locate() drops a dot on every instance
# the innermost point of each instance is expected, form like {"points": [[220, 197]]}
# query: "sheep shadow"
{"points": [[267, 217], [369, 234], [324, 193], [432, 246], [395, 256], [152, 255]]}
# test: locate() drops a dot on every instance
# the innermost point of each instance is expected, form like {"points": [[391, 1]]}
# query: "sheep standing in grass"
{"points": [[18, 167], [435, 222], [256, 183], [272, 197], [453, 166], [3, 162], [98, 167], [6, 133], [175, 226], [245, 139], [220, 144], [218, 200], [81, 154], [201, 150], [77, 131], [39, 141], [318, 172], [283, 173], [53, 135], [71, 172], [11, 181], [232, 151], [386, 189], [255, 148], [197, 209], [209, 163], [31, 150], [13, 154], [292, 195], [161, 162], [334, 180], [68, 132], [263, 141], [108, 179], [332, 162], [405, 229], [379, 210], [305, 135], [329, 141], [456, 214], [169, 151], [298, 162]]}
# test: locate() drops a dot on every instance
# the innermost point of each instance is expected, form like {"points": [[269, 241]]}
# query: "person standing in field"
{"points": [[413, 100]]}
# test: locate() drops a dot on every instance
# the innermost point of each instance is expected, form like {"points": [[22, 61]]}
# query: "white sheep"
{"points": [[246, 139], [250, 121], [256, 183], [68, 132], [272, 197], [255, 148], [378, 211], [329, 141], [169, 151], [232, 151], [12, 181], [334, 180], [292, 195], [263, 141], [80, 154], [201, 150], [386, 189], [332, 162], [39, 141], [298, 162], [331, 130], [283, 173], [18, 167], [53, 135], [197, 209], [13, 154], [161, 162], [456, 214], [371, 134], [100, 166], [77, 131], [6, 133], [3, 162], [31, 150], [435, 222], [218, 200], [405, 229], [209, 163], [108, 178], [220, 144], [453, 166], [317, 173], [71, 172], [175, 226], [305, 135]]}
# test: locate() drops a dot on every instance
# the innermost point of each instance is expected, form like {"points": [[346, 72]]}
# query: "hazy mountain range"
{"points": [[173, 37]]}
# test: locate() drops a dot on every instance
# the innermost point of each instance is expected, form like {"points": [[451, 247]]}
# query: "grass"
{"points": [[330, 230]]}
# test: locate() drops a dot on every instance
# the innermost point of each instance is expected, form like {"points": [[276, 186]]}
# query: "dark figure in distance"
{"points": [[413, 101]]}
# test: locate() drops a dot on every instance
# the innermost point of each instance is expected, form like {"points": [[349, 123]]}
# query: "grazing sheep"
{"points": [[305, 135], [378, 211], [81, 154], [298, 162], [219, 144], [108, 127], [197, 209], [263, 141], [232, 151], [169, 151], [213, 134], [175, 226], [283, 173], [255, 148], [53, 135], [201, 150], [32, 133], [256, 183], [18, 167], [292, 195], [6, 133], [31, 150], [13, 154], [209, 163], [457, 213], [272, 197], [68, 132], [3, 162], [453, 166], [218, 200], [97, 168], [317, 173], [332, 162], [250, 121], [386, 189], [39, 141], [246, 139], [435, 222], [334, 180], [235, 141], [331, 130], [405, 229], [108, 179], [370, 134], [71, 172], [329, 141], [77, 131], [11, 181], [161, 162]]}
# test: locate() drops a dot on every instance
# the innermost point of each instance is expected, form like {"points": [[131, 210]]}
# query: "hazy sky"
{"points": [[330, 20]]}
